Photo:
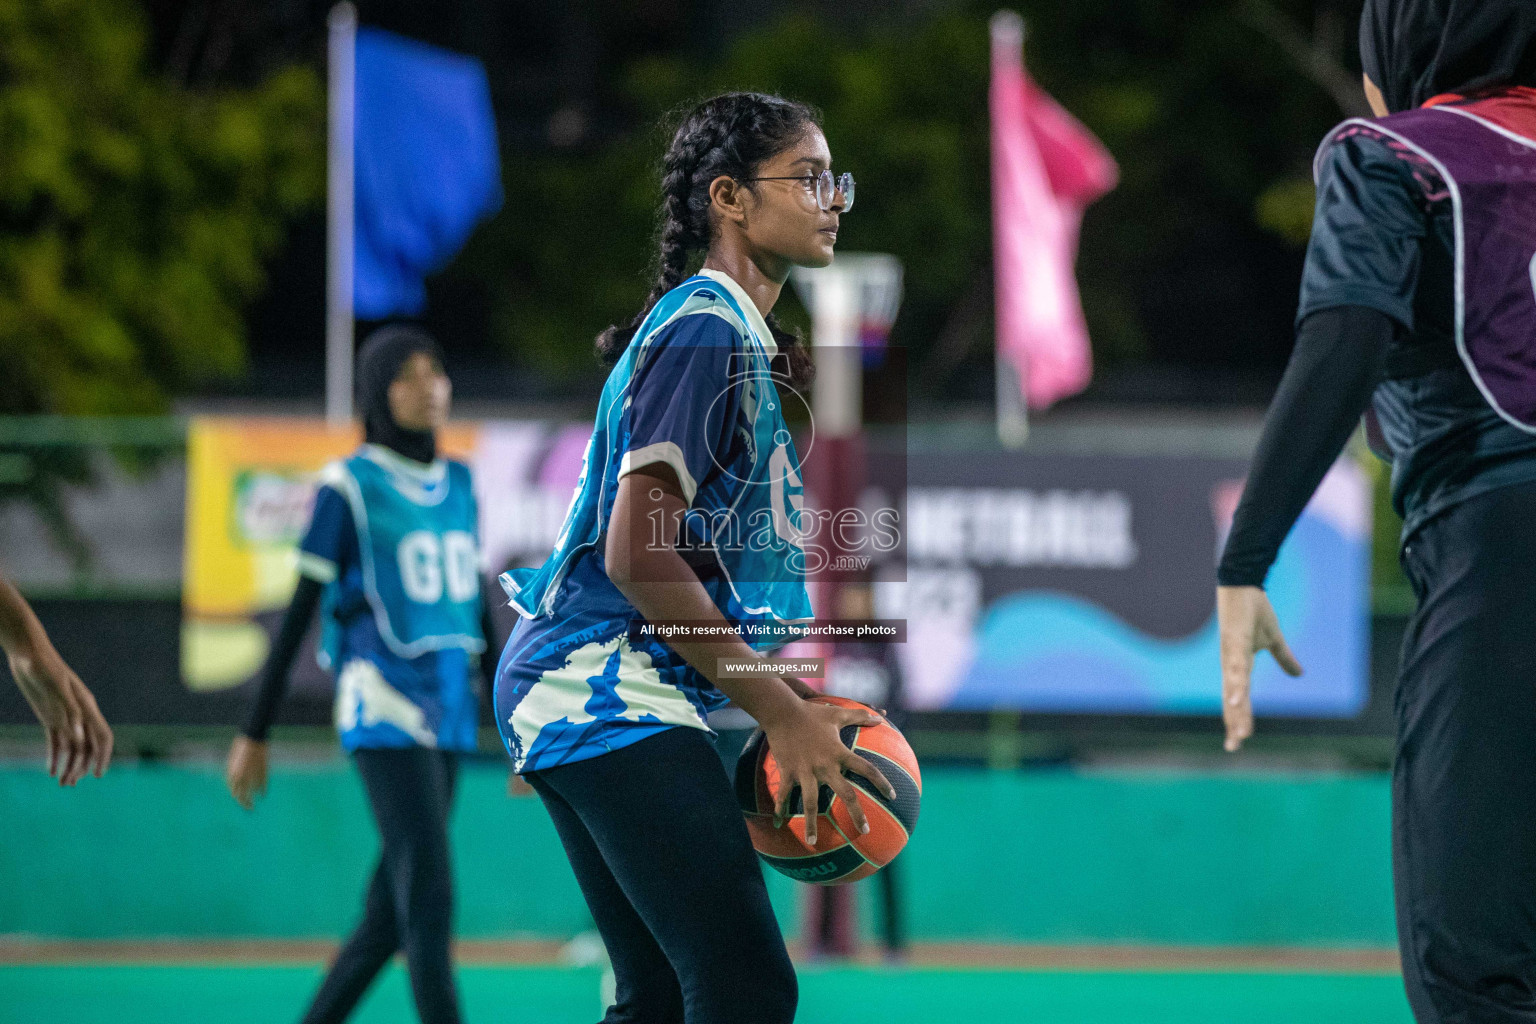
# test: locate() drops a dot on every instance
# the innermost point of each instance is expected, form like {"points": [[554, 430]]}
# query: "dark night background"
{"points": [[1189, 269]]}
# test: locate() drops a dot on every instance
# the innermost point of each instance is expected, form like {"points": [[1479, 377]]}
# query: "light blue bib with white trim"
{"points": [[416, 531]]}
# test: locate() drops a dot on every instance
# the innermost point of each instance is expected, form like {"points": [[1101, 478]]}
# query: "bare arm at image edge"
{"points": [[77, 737]]}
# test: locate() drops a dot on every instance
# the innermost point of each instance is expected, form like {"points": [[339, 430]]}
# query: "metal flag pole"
{"points": [[1012, 413], [340, 144], [1007, 30]]}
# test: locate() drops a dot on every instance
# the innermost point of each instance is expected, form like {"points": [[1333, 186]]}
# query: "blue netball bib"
{"points": [[744, 510], [420, 563]]}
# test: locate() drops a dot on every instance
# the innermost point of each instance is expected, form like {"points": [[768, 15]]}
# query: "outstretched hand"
{"points": [[1247, 625], [77, 737]]}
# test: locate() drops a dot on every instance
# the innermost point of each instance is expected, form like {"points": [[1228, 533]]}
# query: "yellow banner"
{"points": [[250, 488]]}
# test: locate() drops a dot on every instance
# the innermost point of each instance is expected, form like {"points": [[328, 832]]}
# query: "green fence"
{"points": [[1057, 857]]}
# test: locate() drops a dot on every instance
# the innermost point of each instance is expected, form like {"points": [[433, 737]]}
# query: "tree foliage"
{"points": [[1193, 258], [135, 214]]}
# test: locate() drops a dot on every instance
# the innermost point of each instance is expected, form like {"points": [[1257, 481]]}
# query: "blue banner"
{"points": [[427, 167]]}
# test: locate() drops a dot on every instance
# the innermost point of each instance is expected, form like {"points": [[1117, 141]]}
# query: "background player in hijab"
{"points": [[1380, 319], [391, 554], [77, 737], [609, 725]]}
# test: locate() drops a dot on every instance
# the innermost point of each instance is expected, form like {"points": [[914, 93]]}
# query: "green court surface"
{"points": [[80, 994]]}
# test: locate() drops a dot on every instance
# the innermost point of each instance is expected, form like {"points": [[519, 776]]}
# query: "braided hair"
{"points": [[731, 135]]}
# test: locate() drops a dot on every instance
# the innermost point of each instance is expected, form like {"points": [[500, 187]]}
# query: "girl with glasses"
{"points": [[686, 514]]}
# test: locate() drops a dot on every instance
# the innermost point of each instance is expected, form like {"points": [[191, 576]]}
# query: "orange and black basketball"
{"points": [[841, 854]]}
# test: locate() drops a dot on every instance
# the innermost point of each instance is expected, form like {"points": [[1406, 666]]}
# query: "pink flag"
{"points": [[1046, 168]]}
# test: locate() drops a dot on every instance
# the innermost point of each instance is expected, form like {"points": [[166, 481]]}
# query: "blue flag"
{"points": [[427, 167]]}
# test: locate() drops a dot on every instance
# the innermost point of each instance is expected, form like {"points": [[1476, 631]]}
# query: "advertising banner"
{"points": [[1086, 584], [1037, 583]]}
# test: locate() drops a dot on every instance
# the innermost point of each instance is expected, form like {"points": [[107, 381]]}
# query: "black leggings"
{"points": [[660, 850], [1464, 782], [410, 901]]}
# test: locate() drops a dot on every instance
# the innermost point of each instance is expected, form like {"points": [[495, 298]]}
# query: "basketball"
{"points": [[841, 854]]}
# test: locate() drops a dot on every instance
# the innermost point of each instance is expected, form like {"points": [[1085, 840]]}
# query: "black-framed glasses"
{"points": [[826, 187]]}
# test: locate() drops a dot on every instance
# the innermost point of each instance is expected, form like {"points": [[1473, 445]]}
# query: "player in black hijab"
{"points": [[1413, 50], [378, 364], [1378, 326], [410, 784]]}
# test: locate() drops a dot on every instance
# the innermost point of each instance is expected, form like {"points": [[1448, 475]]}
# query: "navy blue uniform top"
{"points": [[1383, 238]]}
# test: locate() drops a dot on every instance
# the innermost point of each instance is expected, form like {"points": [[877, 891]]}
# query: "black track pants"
{"points": [[1464, 783], [410, 901], [659, 847]]}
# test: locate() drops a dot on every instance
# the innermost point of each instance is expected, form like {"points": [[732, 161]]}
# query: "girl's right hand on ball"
{"points": [[810, 754]]}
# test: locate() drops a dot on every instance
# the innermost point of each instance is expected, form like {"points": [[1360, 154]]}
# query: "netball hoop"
{"points": [[853, 304]]}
